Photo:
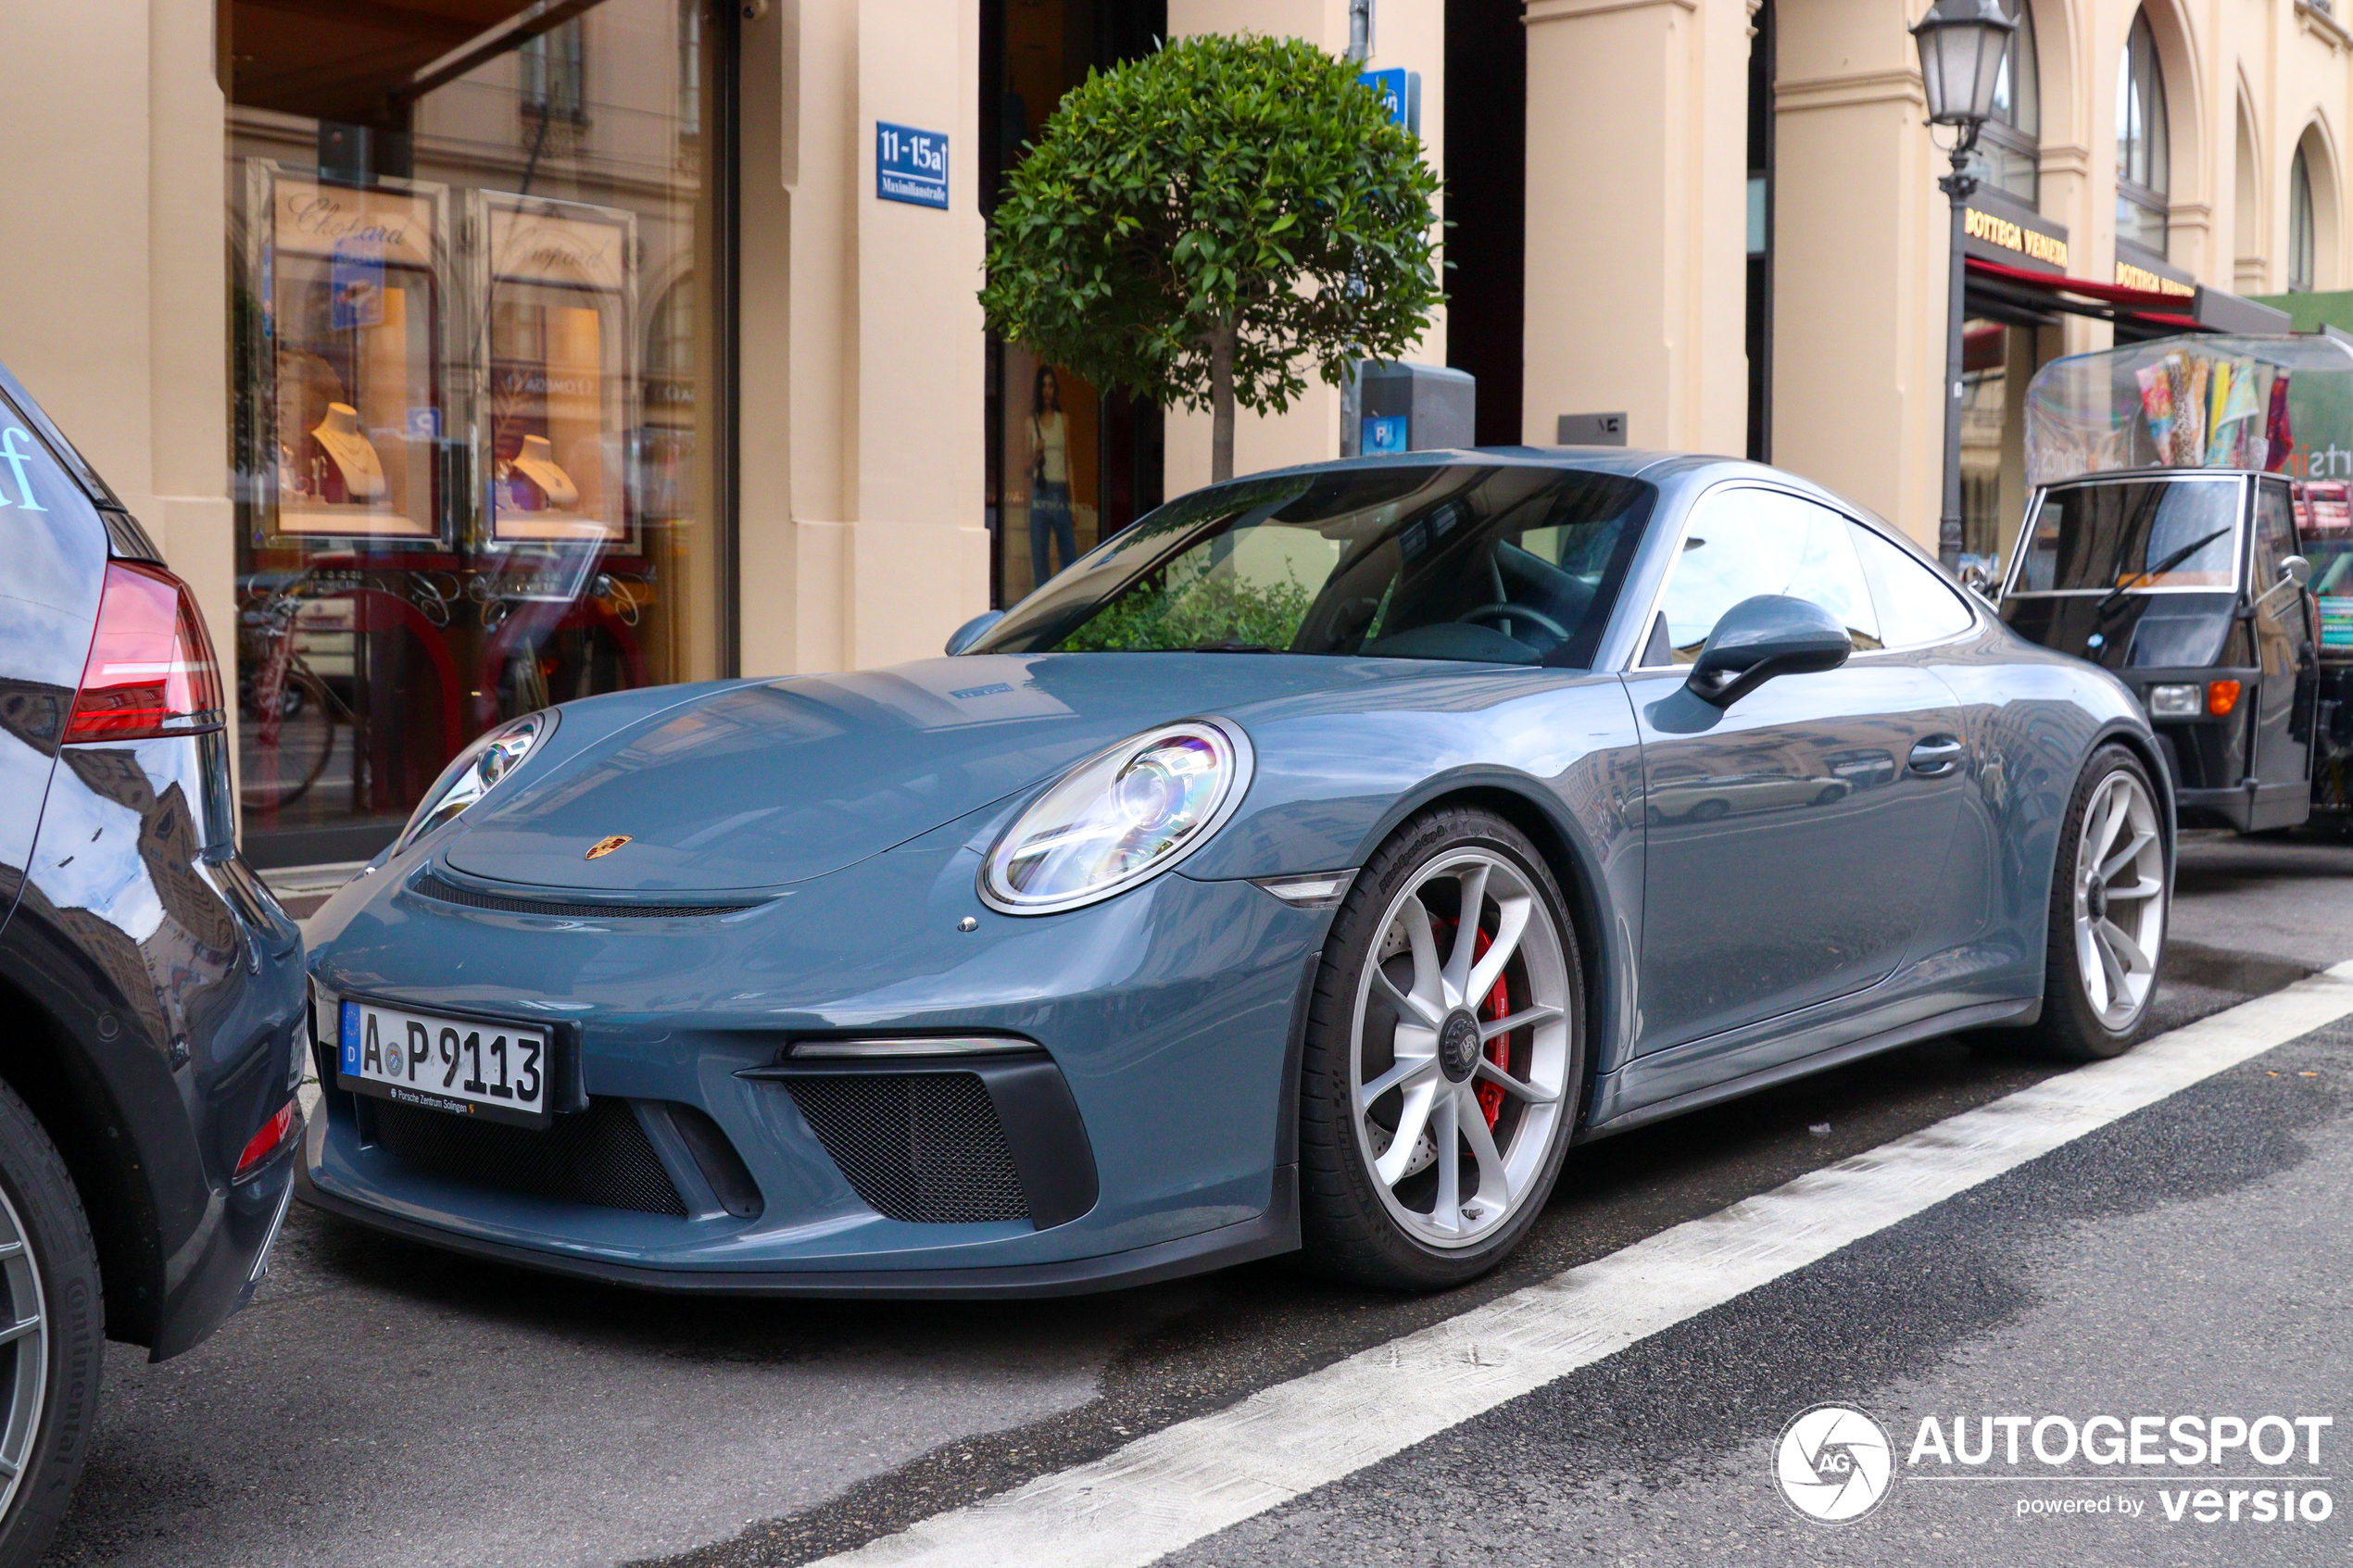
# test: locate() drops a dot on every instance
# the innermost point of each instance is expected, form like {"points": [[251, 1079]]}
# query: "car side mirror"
{"points": [[970, 632], [2294, 572], [1984, 580], [1757, 639]]}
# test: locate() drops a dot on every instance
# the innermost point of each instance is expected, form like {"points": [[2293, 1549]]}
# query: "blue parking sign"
{"points": [[910, 164], [1384, 434], [1400, 92]]}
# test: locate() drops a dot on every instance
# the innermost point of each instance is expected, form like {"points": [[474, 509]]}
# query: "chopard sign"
{"points": [[316, 219]]}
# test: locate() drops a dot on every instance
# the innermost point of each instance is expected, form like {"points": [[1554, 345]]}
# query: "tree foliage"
{"points": [[1196, 225], [1188, 604]]}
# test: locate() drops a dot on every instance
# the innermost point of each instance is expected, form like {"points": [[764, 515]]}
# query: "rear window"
{"points": [[26, 412], [2135, 533]]}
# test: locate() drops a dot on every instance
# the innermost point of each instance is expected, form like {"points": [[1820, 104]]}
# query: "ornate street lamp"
{"points": [[1961, 44]]}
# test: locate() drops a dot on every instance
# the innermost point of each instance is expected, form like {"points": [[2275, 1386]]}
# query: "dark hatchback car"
{"points": [[151, 989]]}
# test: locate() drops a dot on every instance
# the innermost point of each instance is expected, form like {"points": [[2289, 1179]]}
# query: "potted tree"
{"points": [[1200, 225]]}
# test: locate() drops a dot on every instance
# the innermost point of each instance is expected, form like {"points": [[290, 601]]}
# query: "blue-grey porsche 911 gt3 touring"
{"points": [[1307, 867]]}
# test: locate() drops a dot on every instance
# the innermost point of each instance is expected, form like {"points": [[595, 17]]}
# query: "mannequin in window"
{"points": [[1049, 475], [352, 472]]}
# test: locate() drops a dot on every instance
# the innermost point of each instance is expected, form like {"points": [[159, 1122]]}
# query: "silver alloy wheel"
{"points": [[24, 1351], [2119, 899], [1422, 1042]]}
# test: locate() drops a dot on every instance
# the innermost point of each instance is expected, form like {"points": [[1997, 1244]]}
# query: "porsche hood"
{"points": [[762, 783]]}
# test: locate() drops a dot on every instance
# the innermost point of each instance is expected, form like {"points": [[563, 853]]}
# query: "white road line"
{"points": [[1190, 1480]]}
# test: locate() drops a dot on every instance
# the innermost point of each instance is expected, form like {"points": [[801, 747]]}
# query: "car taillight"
{"points": [[150, 671], [275, 1135]]}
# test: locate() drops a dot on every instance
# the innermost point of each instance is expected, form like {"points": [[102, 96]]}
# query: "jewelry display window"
{"points": [[350, 412], [556, 286]]}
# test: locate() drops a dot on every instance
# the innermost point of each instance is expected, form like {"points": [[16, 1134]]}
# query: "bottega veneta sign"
{"points": [[2008, 234]]}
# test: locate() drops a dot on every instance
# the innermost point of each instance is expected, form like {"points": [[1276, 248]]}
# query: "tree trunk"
{"points": [[1221, 404]]}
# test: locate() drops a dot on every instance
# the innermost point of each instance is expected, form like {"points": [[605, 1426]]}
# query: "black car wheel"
{"points": [[1444, 1057], [2109, 909], [52, 1335]]}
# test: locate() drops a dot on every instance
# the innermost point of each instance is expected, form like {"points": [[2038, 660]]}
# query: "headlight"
{"points": [[2176, 702], [489, 758], [1129, 814]]}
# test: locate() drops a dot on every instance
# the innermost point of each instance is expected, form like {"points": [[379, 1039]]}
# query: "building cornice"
{"points": [[2325, 27], [1849, 90], [1573, 10]]}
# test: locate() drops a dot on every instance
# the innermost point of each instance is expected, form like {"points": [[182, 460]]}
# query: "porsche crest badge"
{"points": [[605, 846]]}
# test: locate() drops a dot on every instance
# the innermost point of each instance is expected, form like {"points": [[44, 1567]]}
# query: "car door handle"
{"points": [[1936, 756]]}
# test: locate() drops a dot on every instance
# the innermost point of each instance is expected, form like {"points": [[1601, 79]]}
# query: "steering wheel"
{"points": [[1504, 610]]}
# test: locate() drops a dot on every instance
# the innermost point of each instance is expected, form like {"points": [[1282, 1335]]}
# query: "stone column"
{"points": [[1637, 181], [1861, 251], [863, 536]]}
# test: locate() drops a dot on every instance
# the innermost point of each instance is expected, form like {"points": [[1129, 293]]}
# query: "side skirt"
{"points": [[2020, 1012]]}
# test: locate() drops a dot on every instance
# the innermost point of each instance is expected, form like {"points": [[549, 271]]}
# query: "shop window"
{"points": [[2144, 172], [1984, 407], [1069, 463], [475, 380], [2010, 149], [2302, 247]]}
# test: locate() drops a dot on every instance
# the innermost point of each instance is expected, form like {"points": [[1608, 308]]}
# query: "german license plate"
{"points": [[466, 1066]]}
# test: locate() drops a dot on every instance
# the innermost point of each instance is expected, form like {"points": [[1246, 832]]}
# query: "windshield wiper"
{"points": [[1230, 647], [2115, 594]]}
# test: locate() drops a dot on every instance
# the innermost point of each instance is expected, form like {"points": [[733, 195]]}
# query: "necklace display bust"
{"points": [[537, 462], [355, 457]]}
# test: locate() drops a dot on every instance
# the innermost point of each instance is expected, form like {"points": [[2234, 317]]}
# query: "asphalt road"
{"points": [[381, 1403]]}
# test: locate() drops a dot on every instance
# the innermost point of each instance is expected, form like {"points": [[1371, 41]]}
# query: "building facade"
{"points": [[468, 356]]}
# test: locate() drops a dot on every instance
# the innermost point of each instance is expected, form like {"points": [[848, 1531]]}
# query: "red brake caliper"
{"points": [[1498, 1005]]}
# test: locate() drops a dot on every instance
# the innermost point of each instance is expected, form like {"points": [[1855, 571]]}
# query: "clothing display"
{"points": [[2276, 404], [1050, 438], [1050, 515]]}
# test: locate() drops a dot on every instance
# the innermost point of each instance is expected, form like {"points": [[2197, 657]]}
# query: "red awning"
{"points": [[2108, 301]]}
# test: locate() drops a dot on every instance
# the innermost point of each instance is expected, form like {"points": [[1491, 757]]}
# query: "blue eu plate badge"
{"points": [[348, 1028]]}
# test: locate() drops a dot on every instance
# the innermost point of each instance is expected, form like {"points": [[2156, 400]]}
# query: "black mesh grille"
{"points": [[924, 1146], [600, 1157], [433, 886]]}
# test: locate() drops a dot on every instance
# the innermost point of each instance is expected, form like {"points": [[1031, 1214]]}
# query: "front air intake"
{"points": [[922, 1146], [601, 1157]]}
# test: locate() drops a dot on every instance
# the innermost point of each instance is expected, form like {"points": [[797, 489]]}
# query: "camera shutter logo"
{"points": [[1834, 1463]]}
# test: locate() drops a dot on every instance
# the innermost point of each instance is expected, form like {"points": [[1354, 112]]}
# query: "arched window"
{"points": [[2302, 245], [2008, 151], [2142, 156]]}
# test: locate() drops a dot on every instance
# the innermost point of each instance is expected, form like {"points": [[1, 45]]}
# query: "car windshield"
{"points": [[1499, 564], [2135, 533]]}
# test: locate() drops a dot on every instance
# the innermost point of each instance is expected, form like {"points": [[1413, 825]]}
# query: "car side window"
{"points": [[2275, 534], [1744, 542], [1915, 605]]}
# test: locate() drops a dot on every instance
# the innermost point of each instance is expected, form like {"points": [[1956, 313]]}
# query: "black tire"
{"points": [[35, 1183], [1347, 1230], [2069, 1028]]}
